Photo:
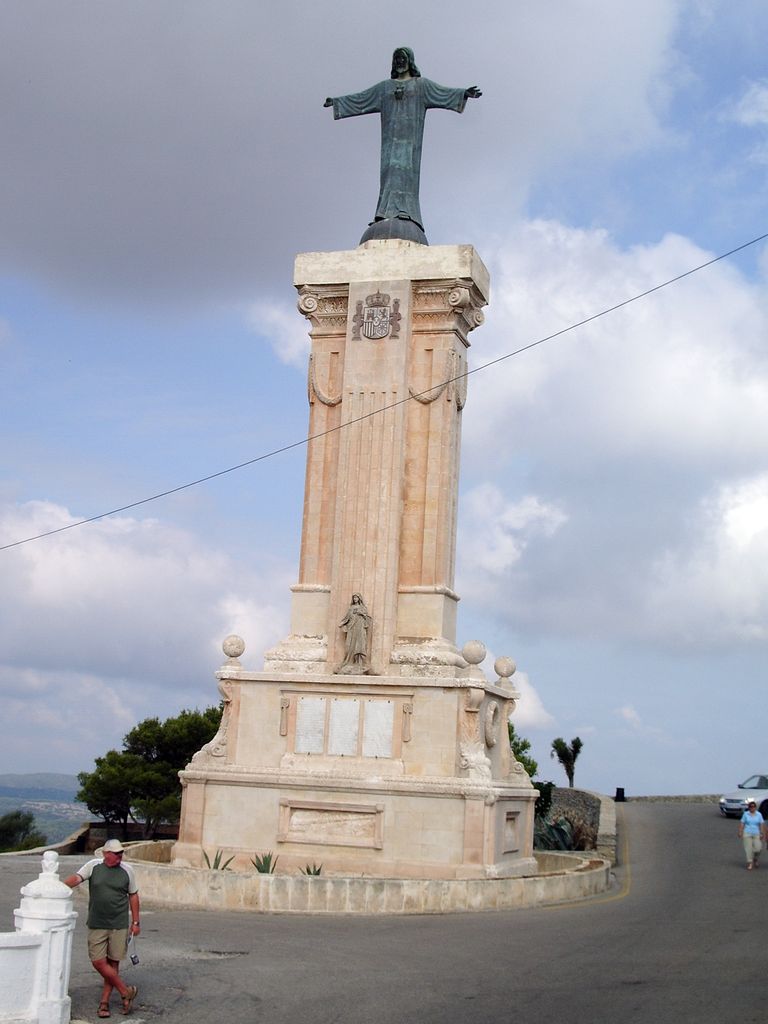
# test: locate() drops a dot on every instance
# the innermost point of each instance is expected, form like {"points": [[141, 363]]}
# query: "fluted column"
{"points": [[389, 324]]}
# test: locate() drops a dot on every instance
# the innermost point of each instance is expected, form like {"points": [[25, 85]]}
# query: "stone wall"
{"points": [[581, 808], [593, 814], [559, 877]]}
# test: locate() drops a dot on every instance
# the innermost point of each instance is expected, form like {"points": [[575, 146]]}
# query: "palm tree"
{"points": [[566, 754]]}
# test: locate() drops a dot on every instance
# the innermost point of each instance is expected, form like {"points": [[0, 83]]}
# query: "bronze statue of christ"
{"points": [[402, 100]]}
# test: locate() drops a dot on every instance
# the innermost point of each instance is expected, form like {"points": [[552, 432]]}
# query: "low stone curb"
{"points": [[561, 878]]}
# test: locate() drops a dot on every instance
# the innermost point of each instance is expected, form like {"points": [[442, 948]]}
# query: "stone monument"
{"points": [[369, 743]]}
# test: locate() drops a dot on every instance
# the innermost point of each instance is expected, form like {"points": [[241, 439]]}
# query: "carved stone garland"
{"points": [[313, 388], [455, 378]]}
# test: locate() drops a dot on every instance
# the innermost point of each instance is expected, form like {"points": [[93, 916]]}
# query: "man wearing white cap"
{"points": [[112, 892]]}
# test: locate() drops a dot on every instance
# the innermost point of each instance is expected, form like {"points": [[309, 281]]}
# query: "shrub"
{"points": [[217, 865], [544, 799], [264, 864], [311, 869]]}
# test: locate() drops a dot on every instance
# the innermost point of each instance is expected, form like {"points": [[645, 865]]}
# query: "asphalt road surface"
{"points": [[680, 937]]}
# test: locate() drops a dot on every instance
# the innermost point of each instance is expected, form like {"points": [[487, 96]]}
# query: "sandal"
{"points": [[128, 998], [104, 1010]]}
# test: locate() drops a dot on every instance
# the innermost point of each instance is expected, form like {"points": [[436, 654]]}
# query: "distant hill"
{"points": [[64, 786], [50, 796]]}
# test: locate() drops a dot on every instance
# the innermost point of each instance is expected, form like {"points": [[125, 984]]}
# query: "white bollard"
{"points": [[35, 962]]}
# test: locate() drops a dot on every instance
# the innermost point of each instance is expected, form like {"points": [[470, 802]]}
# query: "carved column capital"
{"points": [[467, 301], [325, 308], [448, 306], [307, 303], [459, 296]]}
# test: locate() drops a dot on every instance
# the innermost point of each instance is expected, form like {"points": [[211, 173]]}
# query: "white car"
{"points": [[733, 805]]}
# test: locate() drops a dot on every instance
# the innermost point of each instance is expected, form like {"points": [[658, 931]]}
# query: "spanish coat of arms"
{"points": [[378, 318]]}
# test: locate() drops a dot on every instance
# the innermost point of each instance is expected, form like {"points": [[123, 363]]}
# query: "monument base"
{"points": [[383, 777]]}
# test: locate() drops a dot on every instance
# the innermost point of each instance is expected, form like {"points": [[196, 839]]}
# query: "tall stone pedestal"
{"points": [[36, 959], [396, 763]]}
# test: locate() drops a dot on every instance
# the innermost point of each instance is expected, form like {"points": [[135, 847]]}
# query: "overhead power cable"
{"points": [[392, 405]]}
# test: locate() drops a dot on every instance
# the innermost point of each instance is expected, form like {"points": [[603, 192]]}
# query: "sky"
{"points": [[163, 164]]}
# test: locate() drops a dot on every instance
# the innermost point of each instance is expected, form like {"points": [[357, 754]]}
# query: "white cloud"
{"points": [[495, 531], [681, 371], [113, 622], [639, 729], [630, 716], [284, 329], [625, 435], [62, 718], [261, 623], [530, 712], [744, 511], [752, 108], [201, 181], [715, 590]]}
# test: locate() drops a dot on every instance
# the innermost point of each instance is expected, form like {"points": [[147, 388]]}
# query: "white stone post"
{"points": [[45, 924]]}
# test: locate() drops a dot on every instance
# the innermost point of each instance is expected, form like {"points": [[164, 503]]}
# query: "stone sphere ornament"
{"points": [[233, 645], [504, 667], [473, 652]]}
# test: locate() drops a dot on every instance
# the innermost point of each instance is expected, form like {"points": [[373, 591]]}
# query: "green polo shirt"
{"points": [[108, 891]]}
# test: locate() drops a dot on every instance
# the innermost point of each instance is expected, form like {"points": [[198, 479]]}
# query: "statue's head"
{"points": [[403, 60]]}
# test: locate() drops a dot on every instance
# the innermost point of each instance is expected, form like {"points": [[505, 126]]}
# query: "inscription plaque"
{"points": [[378, 722], [333, 726], [344, 727], [331, 824], [310, 725]]}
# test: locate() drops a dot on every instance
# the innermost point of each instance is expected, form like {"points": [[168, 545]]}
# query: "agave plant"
{"points": [[265, 864], [312, 869], [217, 865]]}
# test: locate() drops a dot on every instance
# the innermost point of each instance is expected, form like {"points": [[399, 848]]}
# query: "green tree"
{"points": [[175, 740], [107, 791], [18, 832], [520, 748], [141, 782], [566, 754]]}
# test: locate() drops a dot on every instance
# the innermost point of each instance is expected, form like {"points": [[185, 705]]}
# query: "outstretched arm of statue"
{"points": [[472, 93], [366, 102]]}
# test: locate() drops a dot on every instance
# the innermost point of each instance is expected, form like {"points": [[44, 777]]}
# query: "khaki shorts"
{"points": [[107, 943]]}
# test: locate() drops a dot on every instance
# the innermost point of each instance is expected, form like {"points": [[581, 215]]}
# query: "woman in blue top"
{"points": [[751, 832]]}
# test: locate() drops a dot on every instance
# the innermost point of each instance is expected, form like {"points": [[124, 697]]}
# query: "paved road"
{"points": [[681, 937]]}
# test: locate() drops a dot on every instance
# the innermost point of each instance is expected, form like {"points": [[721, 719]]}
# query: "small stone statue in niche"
{"points": [[356, 624]]}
